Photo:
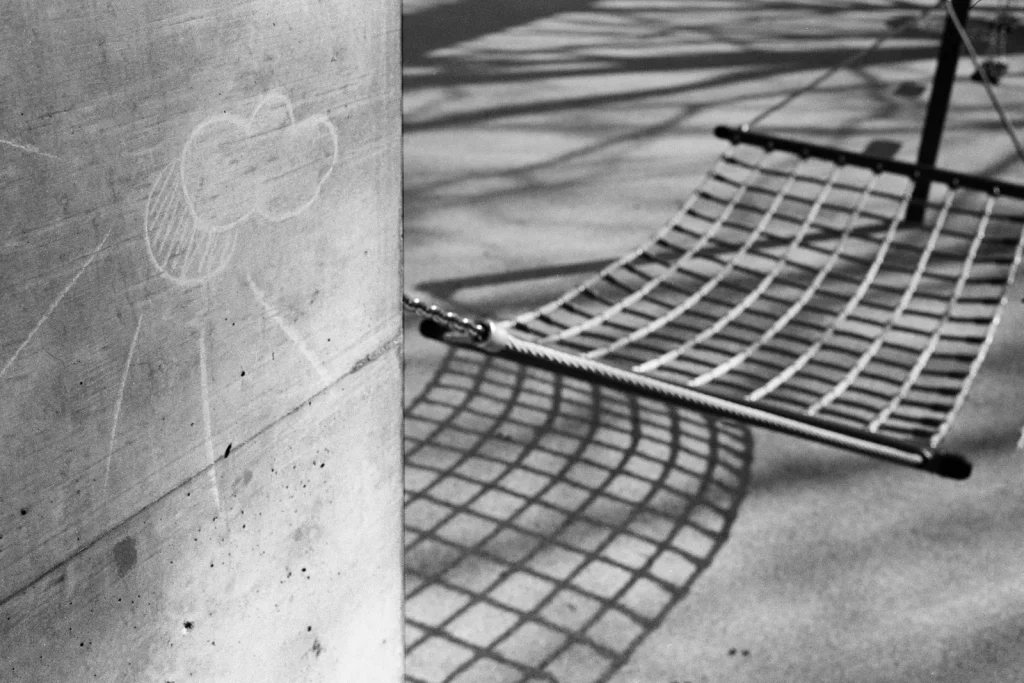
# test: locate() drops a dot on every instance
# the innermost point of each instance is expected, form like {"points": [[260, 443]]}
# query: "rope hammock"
{"points": [[791, 292]]}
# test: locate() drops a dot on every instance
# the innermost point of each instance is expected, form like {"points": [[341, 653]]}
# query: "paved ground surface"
{"points": [[560, 533]]}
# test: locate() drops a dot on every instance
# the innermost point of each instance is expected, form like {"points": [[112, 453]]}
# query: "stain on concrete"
{"points": [[243, 479], [317, 647], [125, 555]]}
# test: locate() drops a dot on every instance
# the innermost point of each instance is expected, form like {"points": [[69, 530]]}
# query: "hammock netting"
{"points": [[809, 281]]}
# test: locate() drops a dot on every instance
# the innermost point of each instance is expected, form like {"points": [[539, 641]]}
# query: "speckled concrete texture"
{"points": [[560, 532]]}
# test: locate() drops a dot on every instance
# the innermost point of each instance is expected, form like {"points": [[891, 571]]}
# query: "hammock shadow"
{"points": [[552, 524]]}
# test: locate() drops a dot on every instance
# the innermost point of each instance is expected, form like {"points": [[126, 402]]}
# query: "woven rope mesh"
{"points": [[795, 281]]}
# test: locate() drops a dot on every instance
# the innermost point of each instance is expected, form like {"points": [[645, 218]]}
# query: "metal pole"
{"points": [[938, 105], [500, 342]]}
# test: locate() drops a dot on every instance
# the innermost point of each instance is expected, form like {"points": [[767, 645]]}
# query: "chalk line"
{"points": [[162, 208], [120, 399], [204, 388], [178, 235], [31, 149], [180, 249], [289, 331], [164, 195], [53, 306], [210, 247], [191, 247]]}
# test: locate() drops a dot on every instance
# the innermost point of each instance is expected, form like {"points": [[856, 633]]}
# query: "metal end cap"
{"points": [[949, 466]]}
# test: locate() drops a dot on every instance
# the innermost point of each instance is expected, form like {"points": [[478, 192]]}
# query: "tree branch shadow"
{"points": [[551, 524], [451, 24]]}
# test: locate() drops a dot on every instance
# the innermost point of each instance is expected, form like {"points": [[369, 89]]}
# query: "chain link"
{"points": [[474, 329]]}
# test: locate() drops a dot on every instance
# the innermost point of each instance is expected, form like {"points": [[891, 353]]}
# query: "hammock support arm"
{"points": [[841, 157], [498, 342], [938, 104]]}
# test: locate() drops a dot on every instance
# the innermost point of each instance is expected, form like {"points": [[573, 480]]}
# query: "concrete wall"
{"points": [[200, 341]]}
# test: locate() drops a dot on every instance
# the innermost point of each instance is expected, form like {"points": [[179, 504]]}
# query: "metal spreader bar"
{"points": [[498, 341]]}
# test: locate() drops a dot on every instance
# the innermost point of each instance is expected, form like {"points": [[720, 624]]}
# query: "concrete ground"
{"points": [[560, 533]]}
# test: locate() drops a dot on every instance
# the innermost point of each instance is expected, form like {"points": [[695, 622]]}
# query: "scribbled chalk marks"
{"points": [[53, 305], [289, 331], [179, 248], [204, 394], [231, 169], [31, 149], [120, 401]]}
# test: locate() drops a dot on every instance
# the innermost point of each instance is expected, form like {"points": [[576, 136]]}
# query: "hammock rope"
{"points": [[981, 72], [986, 81], [790, 292], [852, 60]]}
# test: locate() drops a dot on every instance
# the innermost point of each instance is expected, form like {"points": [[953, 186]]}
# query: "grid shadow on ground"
{"points": [[552, 524]]}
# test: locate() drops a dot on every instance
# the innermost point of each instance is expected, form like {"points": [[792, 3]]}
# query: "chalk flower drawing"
{"points": [[231, 169]]}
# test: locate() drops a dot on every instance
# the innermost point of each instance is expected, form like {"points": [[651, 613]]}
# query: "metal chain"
{"points": [[474, 329]]}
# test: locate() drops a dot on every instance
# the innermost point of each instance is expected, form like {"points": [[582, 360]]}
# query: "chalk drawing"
{"points": [[289, 331], [269, 164], [230, 170], [180, 250], [204, 389], [53, 306], [120, 400], [31, 149]]}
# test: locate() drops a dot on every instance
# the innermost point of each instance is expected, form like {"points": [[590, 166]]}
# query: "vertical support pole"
{"points": [[938, 105]]}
